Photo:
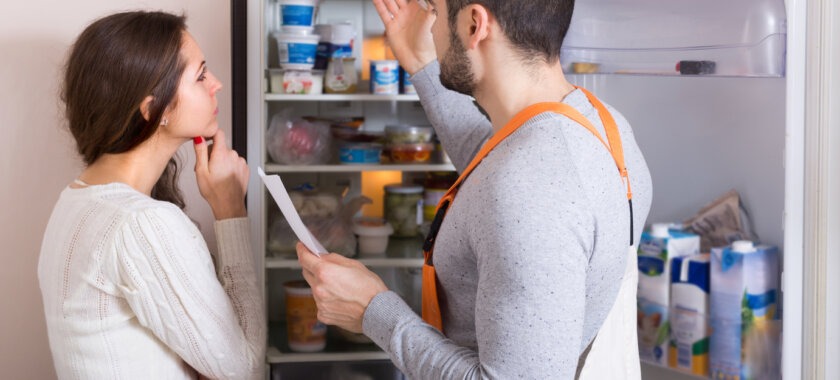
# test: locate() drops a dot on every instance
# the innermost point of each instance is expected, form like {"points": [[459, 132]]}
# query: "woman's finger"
{"points": [[219, 140], [200, 154]]}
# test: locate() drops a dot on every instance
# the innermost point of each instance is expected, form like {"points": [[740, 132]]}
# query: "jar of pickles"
{"points": [[435, 187], [404, 209]]}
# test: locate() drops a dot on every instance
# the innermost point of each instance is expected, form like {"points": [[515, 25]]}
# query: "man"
{"points": [[532, 260]]}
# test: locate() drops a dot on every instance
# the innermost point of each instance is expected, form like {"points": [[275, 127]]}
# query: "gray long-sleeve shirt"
{"points": [[531, 252]]}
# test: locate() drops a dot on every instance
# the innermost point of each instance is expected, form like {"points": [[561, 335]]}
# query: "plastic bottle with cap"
{"points": [[660, 230], [743, 246]]}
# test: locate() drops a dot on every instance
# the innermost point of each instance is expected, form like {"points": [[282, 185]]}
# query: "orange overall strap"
{"points": [[430, 304]]}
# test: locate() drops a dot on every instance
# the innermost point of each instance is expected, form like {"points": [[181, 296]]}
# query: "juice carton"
{"points": [[656, 249], [689, 348], [744, 300]]}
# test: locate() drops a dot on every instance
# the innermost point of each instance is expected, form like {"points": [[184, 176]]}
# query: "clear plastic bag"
{"points": [[328, 218], [295, 141]]}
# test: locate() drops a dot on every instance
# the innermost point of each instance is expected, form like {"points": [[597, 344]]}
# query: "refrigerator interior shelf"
{"points": [[277, 168], [341, 98], [380, 262], [713, 37], [274, 356], [684, 375]]}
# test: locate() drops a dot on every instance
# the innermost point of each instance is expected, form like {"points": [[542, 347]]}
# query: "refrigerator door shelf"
{"points": [[742, 38]]}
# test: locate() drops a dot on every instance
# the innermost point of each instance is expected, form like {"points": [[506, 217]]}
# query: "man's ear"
{"points": [[144, 107], [479, 24]]}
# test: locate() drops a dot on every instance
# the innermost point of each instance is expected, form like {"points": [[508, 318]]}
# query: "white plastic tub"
{"points": [[297, 51], [373, 235], [298, 14]]}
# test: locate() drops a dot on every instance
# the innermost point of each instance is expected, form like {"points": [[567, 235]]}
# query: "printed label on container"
{"points": [[298, 53], [297, 15], [326, 50], [384, 77], [303, 325], [406, 86]]}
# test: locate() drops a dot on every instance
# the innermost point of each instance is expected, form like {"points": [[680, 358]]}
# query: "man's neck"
{"points": [[509, 87]]}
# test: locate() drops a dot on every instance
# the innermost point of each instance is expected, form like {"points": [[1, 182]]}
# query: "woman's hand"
{"points": [[222, 177], [408, 26], [343, 288]]}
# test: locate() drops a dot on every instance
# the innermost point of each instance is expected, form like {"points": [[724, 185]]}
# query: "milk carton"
{"points": [[744, 299], [689, 314], [656, 249]]}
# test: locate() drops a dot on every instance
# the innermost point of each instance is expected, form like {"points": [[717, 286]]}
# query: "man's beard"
{"points": [[456, 71]]}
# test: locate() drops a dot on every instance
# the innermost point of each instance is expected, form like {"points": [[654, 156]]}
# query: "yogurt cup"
{"points": [[297, 51], [384, 77], [298, 13], [373, 235]]}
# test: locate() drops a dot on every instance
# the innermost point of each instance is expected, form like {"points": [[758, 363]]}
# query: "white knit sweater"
{"points": [[130, 291]]}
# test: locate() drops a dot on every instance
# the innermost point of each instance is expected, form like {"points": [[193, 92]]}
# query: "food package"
{"points": [[721, 222], [745, 298], [328, 218], [689, 314], [295, 141], [657, 248]]}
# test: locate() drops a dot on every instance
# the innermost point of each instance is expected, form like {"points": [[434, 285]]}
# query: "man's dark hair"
{"points": [[535, 27]]}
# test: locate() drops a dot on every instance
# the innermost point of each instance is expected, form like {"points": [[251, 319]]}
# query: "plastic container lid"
{"points": [[338, 34], [372, 227], [298, 37], [660, 230], [743, 246], [403, 189], [298, 12], [298, 288], [361, 145], [299, 2], [408, 128]]}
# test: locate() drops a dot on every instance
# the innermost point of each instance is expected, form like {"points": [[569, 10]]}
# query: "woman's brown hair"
{"points": [[114, 65]]}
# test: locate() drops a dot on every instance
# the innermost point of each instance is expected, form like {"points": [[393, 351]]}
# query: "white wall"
{"points": [[37, 157]]}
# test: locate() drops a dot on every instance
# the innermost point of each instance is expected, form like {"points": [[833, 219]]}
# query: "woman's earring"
{"points": [[164, 122]]}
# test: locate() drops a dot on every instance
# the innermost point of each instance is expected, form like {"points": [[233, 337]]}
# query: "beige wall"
{"points": [[36, 152]]}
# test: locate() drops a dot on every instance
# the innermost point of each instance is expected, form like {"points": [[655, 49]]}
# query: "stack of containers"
{"points": [[298, 44], [335, 55], [656, 250], [408, 144], [745, 341]]}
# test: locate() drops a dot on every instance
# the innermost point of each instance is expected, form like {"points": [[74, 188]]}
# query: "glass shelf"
{"points": [[384, 262], [337, 349], [401, 253], [338, 168], [744, 38], [274, 356], [340, 98]]}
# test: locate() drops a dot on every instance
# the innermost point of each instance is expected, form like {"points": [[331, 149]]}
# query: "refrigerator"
{"points": [[706, 86]]}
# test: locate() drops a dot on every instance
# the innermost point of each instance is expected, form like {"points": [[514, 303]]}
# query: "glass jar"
{"points": [[404, 209], [436, 185]]}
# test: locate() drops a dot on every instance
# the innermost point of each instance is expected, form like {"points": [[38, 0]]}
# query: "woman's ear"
{"points": [[144, 107]]}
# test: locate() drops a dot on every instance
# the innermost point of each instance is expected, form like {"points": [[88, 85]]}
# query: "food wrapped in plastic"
{"points": [[328, 218], [295, 141]]}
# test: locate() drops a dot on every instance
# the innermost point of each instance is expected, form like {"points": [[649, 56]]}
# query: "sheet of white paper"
{"points": [[278, 192]]}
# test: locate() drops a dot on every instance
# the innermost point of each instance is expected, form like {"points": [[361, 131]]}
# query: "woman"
{"points": [[128, 284]]}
